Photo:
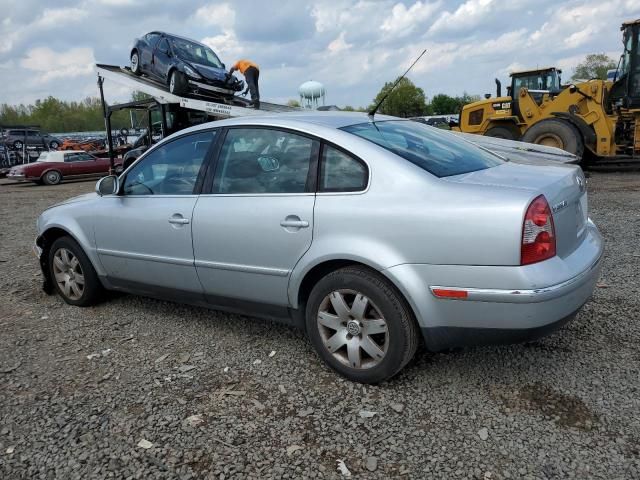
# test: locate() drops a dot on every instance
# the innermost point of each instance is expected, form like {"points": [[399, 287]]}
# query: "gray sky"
{"points": [[353, 47]]}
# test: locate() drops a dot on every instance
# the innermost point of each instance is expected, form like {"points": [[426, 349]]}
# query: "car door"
{"points": [[143, 235], [161, 59], [256, 221], [81, 163], [147, 46]]}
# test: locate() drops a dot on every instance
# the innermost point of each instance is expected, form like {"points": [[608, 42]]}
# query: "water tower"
{"points": [[310, 94]]}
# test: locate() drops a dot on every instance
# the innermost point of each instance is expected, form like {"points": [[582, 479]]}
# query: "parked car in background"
{"points": [[52, 167], [368, 234], [16, 138], [182, 64]]}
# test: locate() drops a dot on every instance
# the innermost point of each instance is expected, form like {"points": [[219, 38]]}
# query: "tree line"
{"points": [[60, 116]]}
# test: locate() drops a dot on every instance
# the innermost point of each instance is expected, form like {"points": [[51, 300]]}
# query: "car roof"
{"points": [[180, 37], [329, 119], [295, 120]]}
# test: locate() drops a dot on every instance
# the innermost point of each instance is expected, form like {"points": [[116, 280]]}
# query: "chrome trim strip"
{"points": [[521, 296], [277, 272], [150, 258]]}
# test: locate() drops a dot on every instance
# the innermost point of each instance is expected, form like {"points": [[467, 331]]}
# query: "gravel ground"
{"points": [[139, 388]]}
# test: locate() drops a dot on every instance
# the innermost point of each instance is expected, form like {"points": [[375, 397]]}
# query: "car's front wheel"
{"points": [[177, 83], [361, 325], [135, 63], [74, 277], [52, 177], [53, 145], [18, 145]]}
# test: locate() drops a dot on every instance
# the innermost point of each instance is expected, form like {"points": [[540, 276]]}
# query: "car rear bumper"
{"points": [[504, 304]]}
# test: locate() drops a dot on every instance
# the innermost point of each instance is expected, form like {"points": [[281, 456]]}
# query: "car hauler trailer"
{"points": [[179, 107]]}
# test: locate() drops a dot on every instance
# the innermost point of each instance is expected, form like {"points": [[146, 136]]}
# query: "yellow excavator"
{"points": [[592, 119]]}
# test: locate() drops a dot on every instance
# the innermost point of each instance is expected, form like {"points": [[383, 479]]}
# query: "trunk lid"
{"points": [[564, 187]]}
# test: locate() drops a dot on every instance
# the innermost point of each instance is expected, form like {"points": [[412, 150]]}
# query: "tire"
{"points": [[52, 177], [124, 132], [65, 273], [177, 83], [396, 337], [54, 145], [502, 132], [556, 133], [18, 145], [135, 63]]}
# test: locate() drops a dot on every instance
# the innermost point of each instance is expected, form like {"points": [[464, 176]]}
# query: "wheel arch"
{"points": [[315, 273], [56, 231]]}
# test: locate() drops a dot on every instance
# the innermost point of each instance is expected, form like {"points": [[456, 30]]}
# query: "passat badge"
{"points": [[559, 206]]}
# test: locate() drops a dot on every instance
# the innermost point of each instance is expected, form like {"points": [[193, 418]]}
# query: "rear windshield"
{"points": [[438, 152]]}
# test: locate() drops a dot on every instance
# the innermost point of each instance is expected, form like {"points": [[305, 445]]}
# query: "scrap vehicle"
{"points": [[184, 65], [595, 120], [17, 137], [54, 166], [86, 145]]}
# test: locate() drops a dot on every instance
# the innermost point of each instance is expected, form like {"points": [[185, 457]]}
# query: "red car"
{"points": [[51, 167]]}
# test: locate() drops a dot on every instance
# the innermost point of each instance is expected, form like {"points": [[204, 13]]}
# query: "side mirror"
{"points": [[487, 96], [108, 185]]}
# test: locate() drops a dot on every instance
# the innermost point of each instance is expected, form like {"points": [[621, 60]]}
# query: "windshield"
{"points": [[438, 152], [195, 53]]}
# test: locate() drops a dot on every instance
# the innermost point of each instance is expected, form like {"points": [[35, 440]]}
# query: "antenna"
{"points": [[373, 111]]}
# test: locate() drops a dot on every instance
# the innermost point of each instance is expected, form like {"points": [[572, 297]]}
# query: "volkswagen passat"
{"points": [[369, 234]]}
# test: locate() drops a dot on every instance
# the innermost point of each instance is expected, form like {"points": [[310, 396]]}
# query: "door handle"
{"points": [[178, 219], [294, 223]]}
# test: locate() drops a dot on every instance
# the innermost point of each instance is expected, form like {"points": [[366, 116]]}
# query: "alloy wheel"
{"points": [[353, 329], [134, 62], [68, 274], [172, 83]]}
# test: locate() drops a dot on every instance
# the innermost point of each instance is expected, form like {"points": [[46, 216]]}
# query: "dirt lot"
{"points": [[80, 388]]}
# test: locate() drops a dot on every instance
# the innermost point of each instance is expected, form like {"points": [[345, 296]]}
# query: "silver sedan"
{"points": [[371, 235]]}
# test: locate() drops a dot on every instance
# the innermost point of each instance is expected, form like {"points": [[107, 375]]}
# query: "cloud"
{"points": [[226, 45], [50, 65], [59, 17], [404, 21], [339, 44], [218, 14]]}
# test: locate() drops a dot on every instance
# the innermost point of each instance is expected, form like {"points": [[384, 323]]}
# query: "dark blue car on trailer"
{"points": [[184, 65]]}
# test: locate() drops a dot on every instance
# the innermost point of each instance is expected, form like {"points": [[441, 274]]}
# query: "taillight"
{"points": [[538, 233]]}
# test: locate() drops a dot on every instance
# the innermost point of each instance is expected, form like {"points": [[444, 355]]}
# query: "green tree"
{"points": [[442, 104], [293, 103], [406, 100], [594, 66]]}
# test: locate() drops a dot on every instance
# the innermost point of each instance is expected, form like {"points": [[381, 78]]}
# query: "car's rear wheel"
{"points": [[52, 177], [74, 277], [361, 325], [135, 63], [54, 145], [18, 145], [177, 83]]}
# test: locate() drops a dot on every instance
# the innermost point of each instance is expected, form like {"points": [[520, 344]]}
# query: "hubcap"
{"points": [[68, 274], [550, 140], [53, 177], [172, 82], [353, 329], [134, 62]]}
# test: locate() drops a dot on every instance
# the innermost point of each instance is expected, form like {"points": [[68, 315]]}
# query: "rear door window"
{"points": [[264, 160], [341, 172], [438, 152], [152, 38]]}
